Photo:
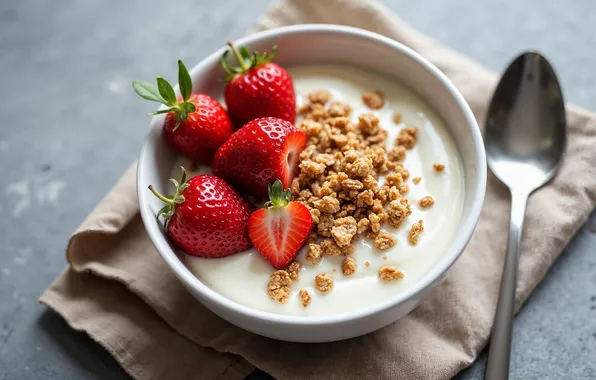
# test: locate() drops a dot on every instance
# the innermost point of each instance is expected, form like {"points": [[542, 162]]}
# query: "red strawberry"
{"points": [[258, 153], [279, 230], [196, 125], [206, 217], [258, 88]]}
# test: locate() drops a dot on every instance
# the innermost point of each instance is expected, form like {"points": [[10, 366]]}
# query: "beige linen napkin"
{"points": [[121, 293]]}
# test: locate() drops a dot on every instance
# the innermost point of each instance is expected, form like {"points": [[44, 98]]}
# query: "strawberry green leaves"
{"points": [[244, 59], [278, 197], [184, 81], [147, 91], [172, 200], [164, 94], [166, 91]]}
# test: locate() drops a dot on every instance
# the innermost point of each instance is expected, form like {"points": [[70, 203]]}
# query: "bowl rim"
{"points": [[451, 254]]}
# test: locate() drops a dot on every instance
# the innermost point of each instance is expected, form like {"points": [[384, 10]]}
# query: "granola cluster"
{"points": [[293, 270], [339, 175], [348, 266], [415, 232], [323, 282], [389, 273], [426, 202], [305, 297], [384, 241], [374, 100], [340, 182], [279, 286]]}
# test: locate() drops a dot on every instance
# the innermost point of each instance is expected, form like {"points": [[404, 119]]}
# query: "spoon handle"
{"points": [[497, 366]]}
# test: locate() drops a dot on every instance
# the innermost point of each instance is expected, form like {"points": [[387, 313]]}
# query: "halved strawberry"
{"points": [[281, 228], [263, 150]]}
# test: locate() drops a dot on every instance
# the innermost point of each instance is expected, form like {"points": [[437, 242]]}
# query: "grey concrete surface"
{"points": [[70, 124]]}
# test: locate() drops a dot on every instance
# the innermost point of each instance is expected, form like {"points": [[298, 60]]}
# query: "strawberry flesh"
{"points": [[279, 233]]}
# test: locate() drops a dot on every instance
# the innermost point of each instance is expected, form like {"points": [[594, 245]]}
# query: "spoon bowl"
{"points": [[526, 131], [526, 137]]}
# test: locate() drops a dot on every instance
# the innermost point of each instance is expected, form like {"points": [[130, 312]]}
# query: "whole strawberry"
{"points": [[258, 88], [281, 228], [206, 217], [196, 125], [258, 153]]}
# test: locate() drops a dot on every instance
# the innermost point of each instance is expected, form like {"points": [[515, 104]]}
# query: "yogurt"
{"points": [[243, 277]]}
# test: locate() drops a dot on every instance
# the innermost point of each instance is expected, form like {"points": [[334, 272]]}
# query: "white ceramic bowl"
{"points": [[308, 44]]}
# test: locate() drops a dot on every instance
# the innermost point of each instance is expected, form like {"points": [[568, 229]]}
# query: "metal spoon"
{"points": [[526, 136]]}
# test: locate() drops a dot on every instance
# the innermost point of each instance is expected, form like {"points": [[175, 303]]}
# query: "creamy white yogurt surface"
{"points": [[243, 277]]}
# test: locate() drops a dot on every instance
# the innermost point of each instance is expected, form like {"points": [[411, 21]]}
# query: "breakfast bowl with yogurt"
{"points": [[327, 188]]}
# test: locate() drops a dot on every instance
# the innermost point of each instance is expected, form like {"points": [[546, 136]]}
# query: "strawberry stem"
{"points": [[161, 197], [168, 210], [241, 60], [246, 60]]}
